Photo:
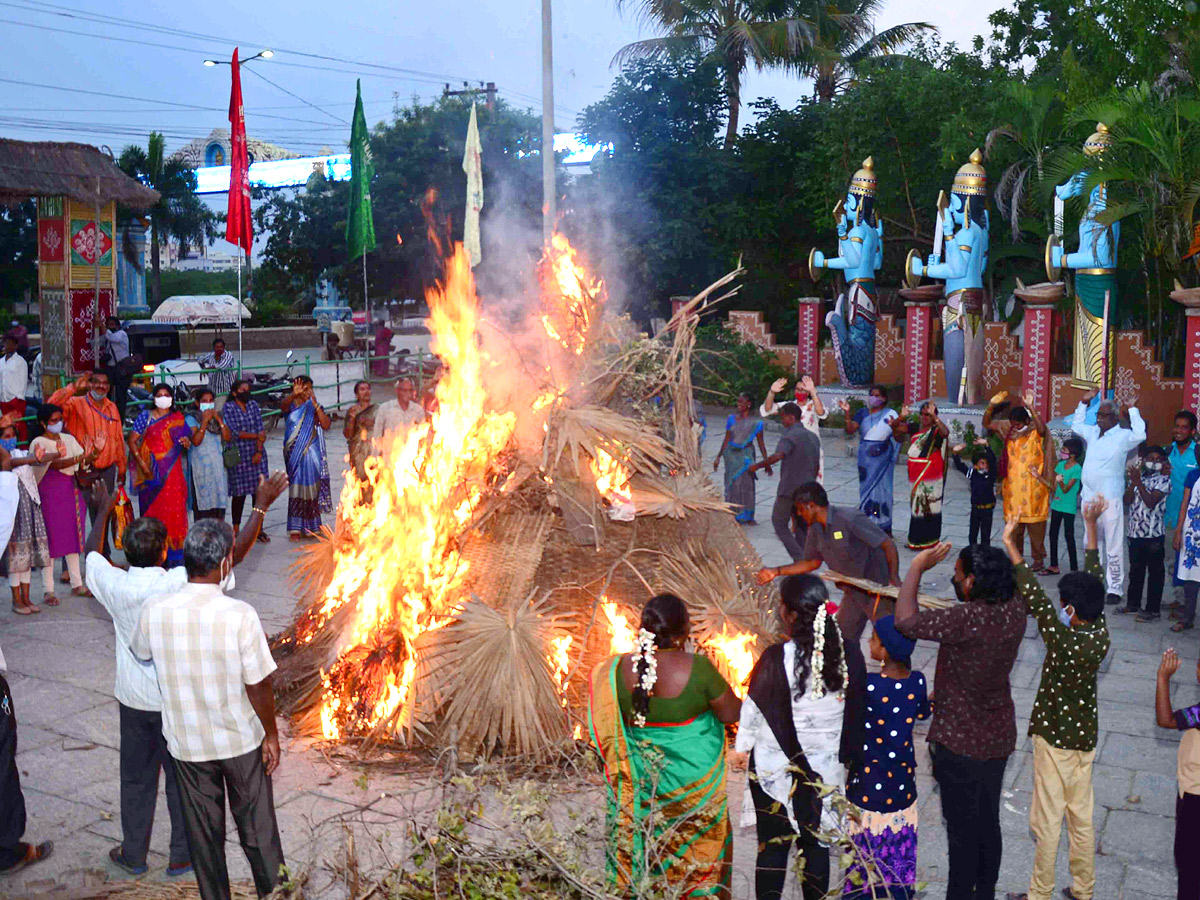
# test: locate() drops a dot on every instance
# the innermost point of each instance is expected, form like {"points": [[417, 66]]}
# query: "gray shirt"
{"points": [[850, 543], [801, 451], [116, 345]]}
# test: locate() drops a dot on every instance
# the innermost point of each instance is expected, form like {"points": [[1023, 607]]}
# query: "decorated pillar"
{"points": [[1035, 357], [918, 315], [131, 272], [808, 349], [1189, 299]]}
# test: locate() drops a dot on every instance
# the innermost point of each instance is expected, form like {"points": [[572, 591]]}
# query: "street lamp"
{"points": [[265, 54]]}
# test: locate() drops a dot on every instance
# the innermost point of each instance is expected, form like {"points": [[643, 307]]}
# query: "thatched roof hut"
{"points": [[60, 169]]}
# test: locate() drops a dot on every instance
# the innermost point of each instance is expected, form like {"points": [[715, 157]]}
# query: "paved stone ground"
{"points": [[61, 670]]}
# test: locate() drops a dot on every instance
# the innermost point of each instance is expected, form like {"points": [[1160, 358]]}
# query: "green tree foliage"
{"points": [[18, 251], [179, 213], [420, 150]]}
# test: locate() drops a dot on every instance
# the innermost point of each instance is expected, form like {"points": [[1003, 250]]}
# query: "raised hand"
{"points": [[808, 384], [844, 405], [931, 556], [1094, 509], [981, 442], [905, 412], [1027, 398], [1169, 665], [1010, 529], [269, 489], [958, 448], [778, 385]]}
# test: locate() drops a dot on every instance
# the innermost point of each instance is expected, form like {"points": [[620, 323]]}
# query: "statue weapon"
{"points": [[1104, 347], [839, 213], [939, 220]]}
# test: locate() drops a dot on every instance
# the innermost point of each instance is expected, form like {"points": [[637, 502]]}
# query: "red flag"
{"points": [[238, 229]]}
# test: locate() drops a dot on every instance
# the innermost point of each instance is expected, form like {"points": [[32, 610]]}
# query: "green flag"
{"points": [[360, 226]]}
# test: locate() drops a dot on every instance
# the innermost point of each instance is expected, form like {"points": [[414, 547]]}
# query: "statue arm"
{"points": [[958, 256], [1073, 187], [850, 251]]}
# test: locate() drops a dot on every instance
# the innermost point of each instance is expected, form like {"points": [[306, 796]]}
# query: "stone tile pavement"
{"points": [[61, 667]]}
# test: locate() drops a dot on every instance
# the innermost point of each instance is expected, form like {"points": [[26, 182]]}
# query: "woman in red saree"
{"points": [[927, 475], [156, 444]]}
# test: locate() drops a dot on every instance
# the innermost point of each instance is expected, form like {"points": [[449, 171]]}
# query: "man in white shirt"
{"points": [[1108, 448], [143, 749], [395, 417], [218, 706], [14, 380]]}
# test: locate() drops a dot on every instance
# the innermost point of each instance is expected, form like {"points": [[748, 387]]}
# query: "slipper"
{"points": [[1182, 626], [25, 610], [50, 600], [174, 870], [118, 860], [1049, 570], [33, 855], [263, 538], [81, 591], [294, 536]]}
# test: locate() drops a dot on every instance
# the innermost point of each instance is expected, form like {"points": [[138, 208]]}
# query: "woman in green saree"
{"points": [[657, 717]]}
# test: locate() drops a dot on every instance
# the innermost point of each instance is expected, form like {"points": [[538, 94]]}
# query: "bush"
{"points": [[724, 364]]}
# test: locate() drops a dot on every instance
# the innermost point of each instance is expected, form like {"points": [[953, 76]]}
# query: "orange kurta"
{"points": [[1023, 494]]}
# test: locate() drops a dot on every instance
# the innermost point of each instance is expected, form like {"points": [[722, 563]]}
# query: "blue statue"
{"points": [[962, 227], [860, 253], [1095, 265]]}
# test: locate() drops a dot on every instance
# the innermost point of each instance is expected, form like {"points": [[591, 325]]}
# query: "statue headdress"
{"points": [[864, 182], [971, 178], [1099, 141]]}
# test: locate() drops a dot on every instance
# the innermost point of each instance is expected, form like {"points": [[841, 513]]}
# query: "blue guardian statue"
{"points": [[860, 253], [1095, 265], [961, 230]]}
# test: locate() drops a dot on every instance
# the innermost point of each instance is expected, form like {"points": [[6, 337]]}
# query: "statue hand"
{"points": [[933, 260], [819, 258], [841, 228]]}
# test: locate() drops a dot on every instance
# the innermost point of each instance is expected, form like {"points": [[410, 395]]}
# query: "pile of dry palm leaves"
{"points": [[548, 570]]}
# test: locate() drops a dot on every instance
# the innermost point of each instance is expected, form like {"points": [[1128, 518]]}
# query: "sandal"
{"points": [[294, 536], [33, 855], [263, 537], [174, 870], [1182, 626], [1049, 570], [50, 600], [81, 591], [117, 855], [27, 610]]}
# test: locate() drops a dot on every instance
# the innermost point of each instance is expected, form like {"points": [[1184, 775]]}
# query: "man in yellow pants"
{"points": [[1063, 724]]}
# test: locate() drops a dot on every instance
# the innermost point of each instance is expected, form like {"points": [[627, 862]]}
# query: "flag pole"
{"points": [[366, 296], [239, 310]]}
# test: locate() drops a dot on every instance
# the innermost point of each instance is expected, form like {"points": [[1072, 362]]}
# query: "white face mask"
{"points": [[55, 427], [205, 407], [98, 395], [227, 581], [1065, 614], [163, 402]]}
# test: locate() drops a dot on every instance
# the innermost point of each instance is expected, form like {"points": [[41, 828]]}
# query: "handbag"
{"points": [[231, 455]]}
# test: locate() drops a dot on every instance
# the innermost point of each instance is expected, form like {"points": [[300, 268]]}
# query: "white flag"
{"points": [[473, 165]]}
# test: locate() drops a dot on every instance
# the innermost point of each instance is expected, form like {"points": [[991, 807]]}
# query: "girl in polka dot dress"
{"points": [[884, 786]]}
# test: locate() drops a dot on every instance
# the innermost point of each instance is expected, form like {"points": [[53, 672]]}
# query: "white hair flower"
{"points": [[649, 675]]}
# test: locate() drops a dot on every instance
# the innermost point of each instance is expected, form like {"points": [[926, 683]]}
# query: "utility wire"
{"points": [[278, 87]]}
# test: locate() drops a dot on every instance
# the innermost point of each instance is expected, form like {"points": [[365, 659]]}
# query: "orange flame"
{"points": [[735, 653], [571, 296], [612, 478], [560, 660], [622, 637]]}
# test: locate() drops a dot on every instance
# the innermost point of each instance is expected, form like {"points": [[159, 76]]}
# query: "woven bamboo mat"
{"points": [[143, 890], [504, 559]]}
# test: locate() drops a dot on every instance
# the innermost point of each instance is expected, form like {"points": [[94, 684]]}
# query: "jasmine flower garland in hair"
{"points": [[649, 675]]}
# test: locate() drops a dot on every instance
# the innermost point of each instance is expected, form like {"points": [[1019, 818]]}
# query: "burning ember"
{"points": [[561, 659], [733, 651], [568, 294]]}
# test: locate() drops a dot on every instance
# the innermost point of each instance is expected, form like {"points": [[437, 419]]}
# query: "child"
{"points": [[1187, 802], [1067, 476], [884, 788], [28, 547], [1145, 496], [981, 476]]}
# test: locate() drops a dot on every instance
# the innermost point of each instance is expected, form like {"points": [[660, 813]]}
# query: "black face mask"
{"points": [[958, 590], [243, 396]]}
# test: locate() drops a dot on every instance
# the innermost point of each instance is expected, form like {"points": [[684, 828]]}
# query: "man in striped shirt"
{"points": [[221, 368]]}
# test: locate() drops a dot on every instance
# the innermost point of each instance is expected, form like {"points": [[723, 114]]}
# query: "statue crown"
{"points": [[971, 177], [1099, 141], [864, 182]]}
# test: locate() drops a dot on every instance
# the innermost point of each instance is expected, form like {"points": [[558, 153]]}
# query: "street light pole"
{"points": [[549, 193]]}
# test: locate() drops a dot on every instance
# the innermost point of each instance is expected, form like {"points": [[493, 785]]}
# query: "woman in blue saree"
{"points": [[305, 424], [741, 430], [878, 450]]}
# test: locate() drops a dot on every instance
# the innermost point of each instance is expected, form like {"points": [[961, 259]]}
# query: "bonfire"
{"points": [[496, 553]]}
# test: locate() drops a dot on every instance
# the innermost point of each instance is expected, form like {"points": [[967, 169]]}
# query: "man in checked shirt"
{"points": [[1063, 724]]}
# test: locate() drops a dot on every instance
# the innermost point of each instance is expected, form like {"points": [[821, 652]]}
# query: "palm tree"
{"points": [[732, 33], [844, 37], [1034, 123], [179, 213]]}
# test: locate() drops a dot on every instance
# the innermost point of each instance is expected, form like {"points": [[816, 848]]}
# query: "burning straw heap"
{"points": [[496, 554]]}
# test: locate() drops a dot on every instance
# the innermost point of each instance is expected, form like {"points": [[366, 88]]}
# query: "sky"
{"points": [[86, 87]]}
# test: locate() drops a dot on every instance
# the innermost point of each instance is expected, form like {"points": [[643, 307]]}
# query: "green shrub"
{"points": [[724, 364]]}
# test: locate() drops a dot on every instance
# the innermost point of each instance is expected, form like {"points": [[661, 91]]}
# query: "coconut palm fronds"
{"points": [[314, 567], [586, 429], [722, 599], [487, 680], [674, 496]]}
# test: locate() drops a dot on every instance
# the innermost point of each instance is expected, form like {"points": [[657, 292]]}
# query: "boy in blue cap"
{"points": [[883, 786]]}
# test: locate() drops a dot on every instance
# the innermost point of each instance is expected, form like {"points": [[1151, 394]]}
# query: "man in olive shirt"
{"points": [[798, 454], [1064, 721]]}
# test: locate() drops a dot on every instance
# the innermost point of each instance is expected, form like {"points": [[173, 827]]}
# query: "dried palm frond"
{"points": [[585, 429], [721, 598], [486, 680], [674, 496], [314, 566]]}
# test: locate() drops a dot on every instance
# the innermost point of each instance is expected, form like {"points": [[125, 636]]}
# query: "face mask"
{"points": [[98, 395], [113, 329], [1063, 454], [55, 428], [205, 407], [958, 590], [1064, 615], [227, 581], [9, 444], [874, 402], [163, 402], [244, 396], [1153, 467]]}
